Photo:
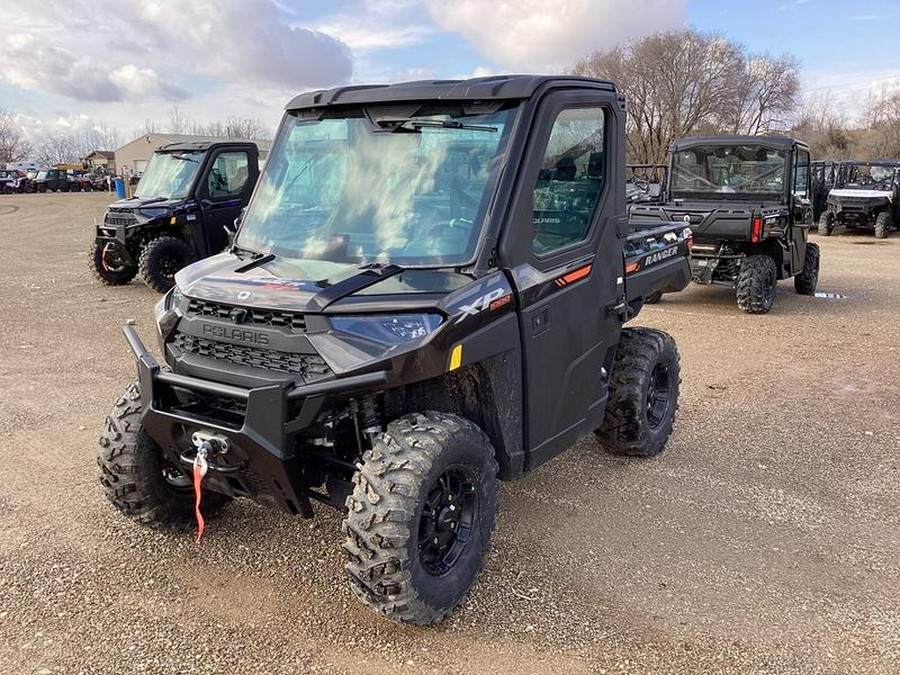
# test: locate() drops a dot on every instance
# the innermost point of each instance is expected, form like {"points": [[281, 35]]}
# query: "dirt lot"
{"points": [[765, 539]]}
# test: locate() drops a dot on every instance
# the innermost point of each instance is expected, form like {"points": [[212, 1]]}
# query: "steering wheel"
{"points": [[641, 183]]}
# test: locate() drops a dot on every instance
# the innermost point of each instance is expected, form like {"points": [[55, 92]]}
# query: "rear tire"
{"points": [[826, 224], [805, 283], [756, 284], [419, 520], [136, 478], [161, 259], [882, 225], [643, 394], [105, 271]]}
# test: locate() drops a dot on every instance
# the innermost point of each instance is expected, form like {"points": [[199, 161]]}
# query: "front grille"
{"points": [[120, 218], [259, 317], [310, 367]]}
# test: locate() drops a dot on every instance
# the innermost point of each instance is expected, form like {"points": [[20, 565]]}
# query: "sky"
{"points": [[71, 64]]}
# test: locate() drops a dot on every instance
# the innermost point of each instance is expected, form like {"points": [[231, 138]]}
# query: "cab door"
{"points": [[570, 275], [225, 188], [801, 216]]}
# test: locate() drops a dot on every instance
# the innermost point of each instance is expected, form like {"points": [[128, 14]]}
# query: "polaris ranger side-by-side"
{"points": [[187, 199], [866, 195], [426, 293], [747, 200]]}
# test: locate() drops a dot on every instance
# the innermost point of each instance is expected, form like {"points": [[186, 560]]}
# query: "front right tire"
{"points": [[643, 394], [108, 267], [420, 517], [136, 478], [882, 224], [826, 224], [805, 283]]}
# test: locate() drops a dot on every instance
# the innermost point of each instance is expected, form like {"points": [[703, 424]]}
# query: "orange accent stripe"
{"points": [[577, 274], [631, 267]]}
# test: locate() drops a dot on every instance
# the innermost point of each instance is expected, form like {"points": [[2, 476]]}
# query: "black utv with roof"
{"points": [[185, 202], [746, 199], [866, 195], [426, 294]]}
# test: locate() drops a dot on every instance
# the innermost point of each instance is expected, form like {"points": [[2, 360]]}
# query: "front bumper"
{"points": [[262, 462], [116, 235]]}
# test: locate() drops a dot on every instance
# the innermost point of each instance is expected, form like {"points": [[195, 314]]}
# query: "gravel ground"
{"points": [[765, 539]]}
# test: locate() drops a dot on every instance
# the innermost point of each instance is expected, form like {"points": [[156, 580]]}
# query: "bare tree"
{"points": [[58, 147], [824, 128], [683, 82], [880, 136], [245, 128], [767, 93], [99, 137], [179, 121], [14, 147]]}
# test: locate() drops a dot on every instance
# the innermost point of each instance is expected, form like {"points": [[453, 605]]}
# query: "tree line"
{"points": [[686, 83], [69, 146], [677, 83]]}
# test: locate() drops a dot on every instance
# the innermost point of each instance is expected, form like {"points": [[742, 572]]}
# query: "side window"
{"points": [[228, 175], [801, 174], [571, 179]]}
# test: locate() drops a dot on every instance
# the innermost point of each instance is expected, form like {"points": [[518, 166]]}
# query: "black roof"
{"points": [[200, 146], [776, 142], [493, 88]]}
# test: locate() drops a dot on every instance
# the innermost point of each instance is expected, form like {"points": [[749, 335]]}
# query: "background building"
{"points": [[101, 159]]}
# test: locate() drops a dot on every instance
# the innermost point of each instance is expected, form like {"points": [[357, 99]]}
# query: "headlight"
{"points": [[152, 214], [394, 329], [166, 316]]}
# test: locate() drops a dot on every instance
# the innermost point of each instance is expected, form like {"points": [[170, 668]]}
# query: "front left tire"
{"points": [[161, 259], [420, 517]]}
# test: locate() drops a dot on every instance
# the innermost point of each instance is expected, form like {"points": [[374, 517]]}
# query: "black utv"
{"points": [[51, 180], [866, 195], [184, 204], [747, 200], [426, 294]]}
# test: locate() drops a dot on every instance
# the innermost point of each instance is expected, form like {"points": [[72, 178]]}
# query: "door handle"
{"points": [[540, 321]]}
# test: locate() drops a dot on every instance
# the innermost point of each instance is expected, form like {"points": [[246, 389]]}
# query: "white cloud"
{"points": [[361, 36], [847, 92], [246, 40], [548, 36], [161, 49]]}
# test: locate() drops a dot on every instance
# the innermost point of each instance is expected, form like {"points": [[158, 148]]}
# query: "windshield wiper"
{"points": [[184, 159], [416, 123], [154, 200], [368, 275]]}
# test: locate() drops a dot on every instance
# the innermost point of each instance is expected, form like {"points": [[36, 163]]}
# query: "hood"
{"points": [[310, 285], [135, 203], [860, 193], [267, 286]]}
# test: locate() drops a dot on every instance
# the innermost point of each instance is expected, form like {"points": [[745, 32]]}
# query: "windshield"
{"points": [[868, 176], [169, 175], [41, 175], [715, 169], [364, 188]]}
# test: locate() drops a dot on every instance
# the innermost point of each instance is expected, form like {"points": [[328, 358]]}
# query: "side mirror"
{"points": [[232, 230]]}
